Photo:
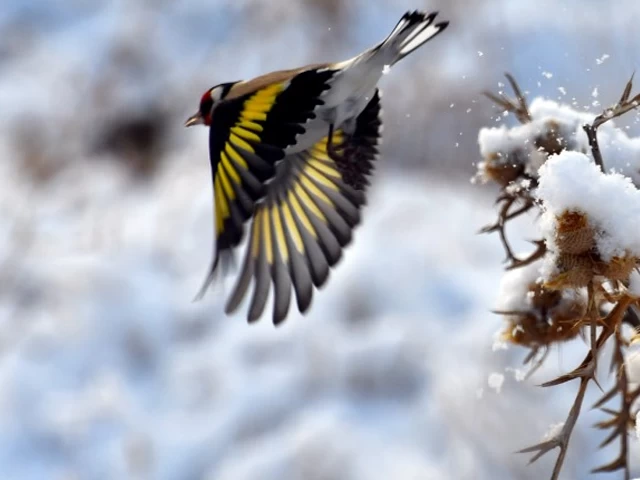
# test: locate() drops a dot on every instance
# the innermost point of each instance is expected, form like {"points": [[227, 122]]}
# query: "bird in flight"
{"points": [[291, 152]]}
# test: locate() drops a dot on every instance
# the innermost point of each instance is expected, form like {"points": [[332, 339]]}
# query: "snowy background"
{"points": [[108, 370]]}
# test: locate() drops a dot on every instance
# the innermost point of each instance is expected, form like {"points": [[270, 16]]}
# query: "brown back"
{"points": [[253, 85]]}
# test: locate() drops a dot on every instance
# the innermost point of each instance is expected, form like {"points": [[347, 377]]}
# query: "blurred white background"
{"points": [[108, 370]]}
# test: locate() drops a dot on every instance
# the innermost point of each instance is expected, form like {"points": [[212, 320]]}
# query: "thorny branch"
{"points": [[621, 420], [623, 106], [585, 372], [515, 200], [514, 194], [504, 215], [518, 106]]}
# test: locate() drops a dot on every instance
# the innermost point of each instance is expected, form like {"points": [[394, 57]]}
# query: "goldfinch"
{"points": [[292, 150]]}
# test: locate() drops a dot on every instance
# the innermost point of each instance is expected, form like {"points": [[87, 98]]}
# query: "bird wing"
{"points": [[311, 208], [247, 138]]}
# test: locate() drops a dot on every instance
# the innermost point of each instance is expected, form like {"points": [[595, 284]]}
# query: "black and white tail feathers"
{"points": [[412, 31]]}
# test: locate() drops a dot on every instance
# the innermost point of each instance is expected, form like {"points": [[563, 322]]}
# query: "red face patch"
{"points": [[206, 104]]}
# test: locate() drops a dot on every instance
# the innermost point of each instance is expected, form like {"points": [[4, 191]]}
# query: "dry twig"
{"points": [[585, 372], [518, 106], [623, 106], [621, 420]]}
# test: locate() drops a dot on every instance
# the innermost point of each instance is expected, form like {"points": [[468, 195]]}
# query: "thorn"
{"points": [[627, 90], [605, 398], [595, 380], [617, 464], [541, 448]]}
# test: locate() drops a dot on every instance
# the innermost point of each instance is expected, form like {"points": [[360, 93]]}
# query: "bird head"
{"points": [[208, 102]]}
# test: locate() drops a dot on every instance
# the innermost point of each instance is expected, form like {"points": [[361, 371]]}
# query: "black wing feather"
{"points": [[313, 203]]}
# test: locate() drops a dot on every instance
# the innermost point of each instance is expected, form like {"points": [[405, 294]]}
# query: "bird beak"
{"points": [[194, 120]]}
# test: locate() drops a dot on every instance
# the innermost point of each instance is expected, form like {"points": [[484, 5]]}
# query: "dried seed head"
{"points": [[618, 268], [572, 271], [551, 140], [574, 235], [554, 317], [502, 168]]}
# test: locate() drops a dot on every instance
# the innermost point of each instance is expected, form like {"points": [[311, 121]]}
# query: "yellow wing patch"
{"points": [[235, 156], [318, 177], [304, 192], [268, 243], [255, 108], [279, 231], [226, 163], [238, 142], [301, 215], [325, 168], [241, 135], [221, 206], [292, 228], [319, 150], [308, 202], [245, 133]]}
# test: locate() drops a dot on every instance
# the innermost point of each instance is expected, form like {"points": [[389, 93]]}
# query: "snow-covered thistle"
{"points": [[582, 277]]}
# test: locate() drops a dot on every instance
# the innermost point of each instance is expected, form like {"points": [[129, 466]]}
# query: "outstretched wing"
{"points": [[247, 138], [307, 218]]}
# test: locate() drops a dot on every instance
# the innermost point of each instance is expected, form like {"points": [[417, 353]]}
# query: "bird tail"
{"points": [[412, 31]]}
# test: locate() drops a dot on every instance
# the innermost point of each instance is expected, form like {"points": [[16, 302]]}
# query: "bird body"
{"points": [[291, 151]]}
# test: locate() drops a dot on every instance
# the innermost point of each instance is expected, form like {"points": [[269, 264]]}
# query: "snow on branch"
{"points": [[580, 174]]}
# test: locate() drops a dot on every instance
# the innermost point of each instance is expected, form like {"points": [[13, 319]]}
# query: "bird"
{"points": [[291, 153]]}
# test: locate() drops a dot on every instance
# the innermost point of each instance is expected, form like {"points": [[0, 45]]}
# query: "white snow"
{"points": [[553, 430], [519, 374], [504, 139], [495, 381], [632, 362], [571, 181], [513, 292], [620, 151], [634, 284]]}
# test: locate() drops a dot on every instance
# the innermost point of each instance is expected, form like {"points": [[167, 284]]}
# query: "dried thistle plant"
{"points": [[578, 280]]}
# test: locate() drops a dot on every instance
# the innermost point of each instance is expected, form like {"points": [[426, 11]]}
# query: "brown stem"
{"points": [[567, 429], [592, 136]]}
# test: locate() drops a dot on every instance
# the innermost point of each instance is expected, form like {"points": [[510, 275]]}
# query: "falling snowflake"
{"points": [[495, 381]]}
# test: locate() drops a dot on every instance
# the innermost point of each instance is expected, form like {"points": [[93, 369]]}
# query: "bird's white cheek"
{"points": [[216, 94]]}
